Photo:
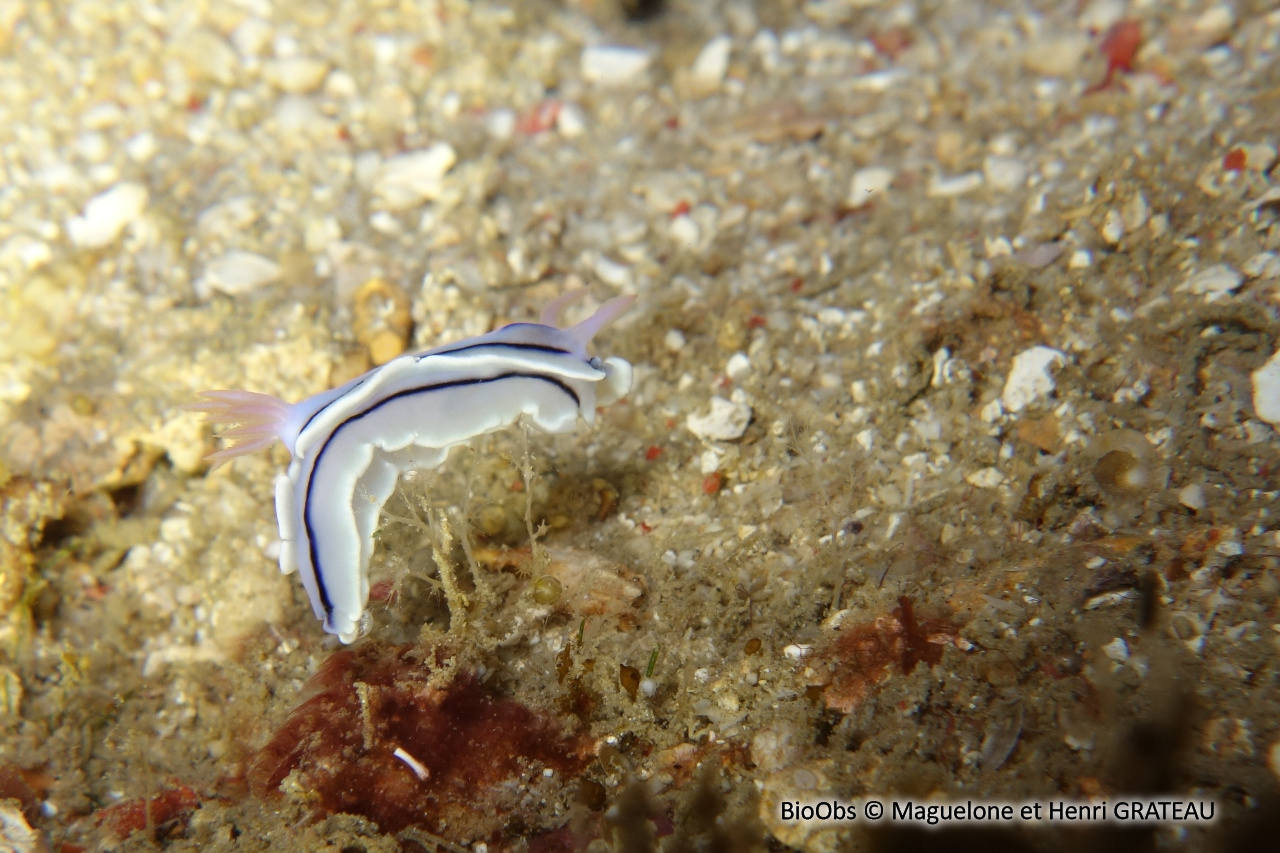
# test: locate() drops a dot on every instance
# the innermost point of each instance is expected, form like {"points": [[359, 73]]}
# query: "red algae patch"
{"points": [[862, 655], [406, 743], [165, 814]]}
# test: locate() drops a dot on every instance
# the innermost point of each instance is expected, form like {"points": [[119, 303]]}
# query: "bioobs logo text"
{"points": [[825, 810]]}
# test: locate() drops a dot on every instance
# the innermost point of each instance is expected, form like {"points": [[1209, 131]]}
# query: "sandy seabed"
{"points": [[947, 474]]}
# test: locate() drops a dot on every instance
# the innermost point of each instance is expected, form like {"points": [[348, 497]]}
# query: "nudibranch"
{"points": [[350, 444]]}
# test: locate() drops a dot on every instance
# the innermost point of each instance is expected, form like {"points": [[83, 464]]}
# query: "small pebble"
{"points": [[1273, 759], [1207, 29], [1100, 15], [1080, 259], [868, 183], [236, 273], [986, 478], [684, 231], [613, 65], [102, 116], [1136, 212], [207, 57], [725, 422], [570, 121], [613, 273], [1192, 497], [997, 247], [940, 187], [501, 124], [1117, 650], [142, 147], [107, 215], [1214, 282], [409, 179], [1262, 265], [1260, 157], [340, 84], [1113, 227], [739, 366], [1040, 255], [1004, 173], [297, 75], [711, 65], [251, 37], [796, 652], [1031, 377], [93, 146], [674, 340], [1078, 743], [1056, 57], [25, 252]]}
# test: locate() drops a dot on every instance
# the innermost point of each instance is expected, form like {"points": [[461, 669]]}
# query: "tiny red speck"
{"points": [[1120, 45], [796, 284], [541, 118], [653, 453], [673, 123], [1235, 160], [680, 209], [129, 816], [755, 321], [891, 42], [712, 482], [382, 591]]}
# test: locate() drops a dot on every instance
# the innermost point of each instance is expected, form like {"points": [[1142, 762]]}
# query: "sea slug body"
{"points": [[350, 444]]}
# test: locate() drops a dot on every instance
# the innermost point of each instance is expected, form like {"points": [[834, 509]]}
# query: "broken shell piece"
{"points": [[407, 180], [590, 584], [711, 65], [1030, 378], [237, 273], [1192, 497], [382, 320], [107, 215], [612, 65], [1214, 282], [725, 422], [868, 183], [1266, 390], [594, 585]]}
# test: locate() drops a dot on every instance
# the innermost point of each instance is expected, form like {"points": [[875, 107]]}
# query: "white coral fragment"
{"points": [[409, 179], [107, 214], [1266, 390], [725, 422], [1031, 378]]}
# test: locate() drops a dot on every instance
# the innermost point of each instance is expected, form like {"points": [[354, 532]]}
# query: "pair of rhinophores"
{"points": [[350, 444]]}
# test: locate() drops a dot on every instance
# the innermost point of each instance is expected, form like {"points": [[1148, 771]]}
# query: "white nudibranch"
{"points": [[350, 444]]}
